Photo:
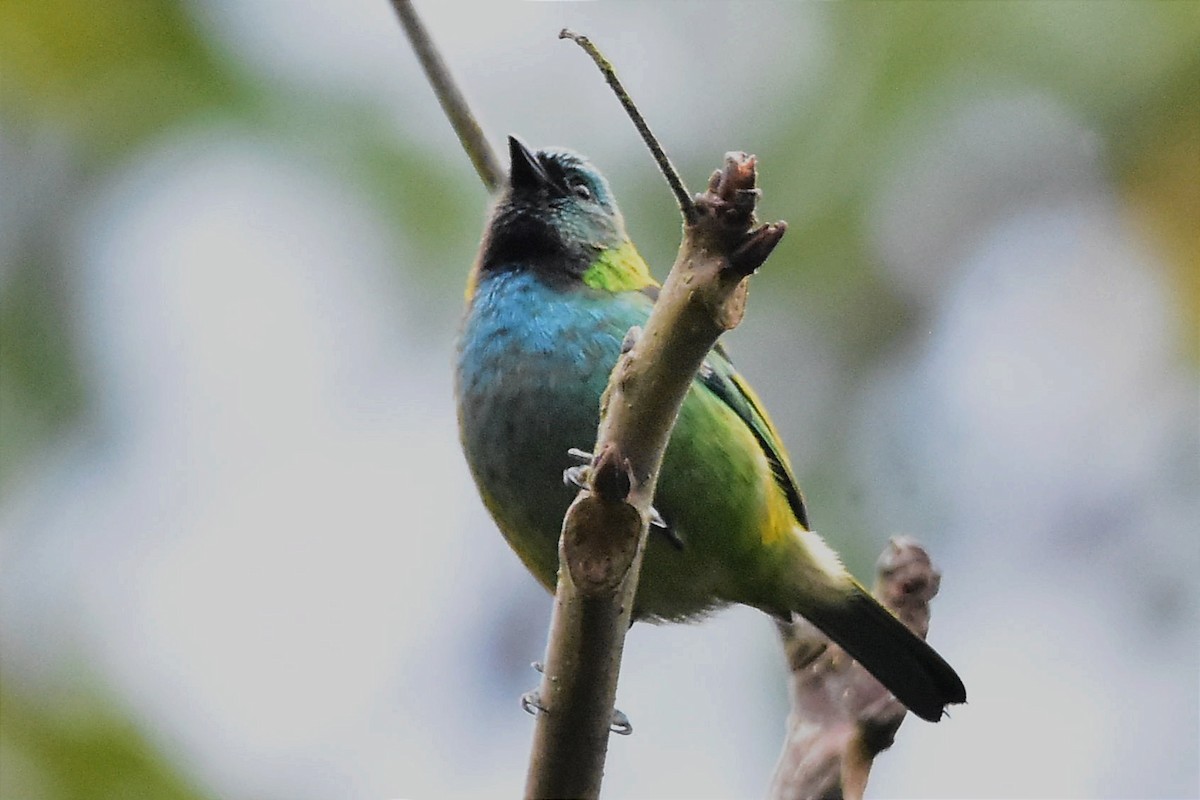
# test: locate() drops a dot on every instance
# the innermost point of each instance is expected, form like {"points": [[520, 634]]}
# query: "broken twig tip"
{"points": [[686, 206], [757, 247]]}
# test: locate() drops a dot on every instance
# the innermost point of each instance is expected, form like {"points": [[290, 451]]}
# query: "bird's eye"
{"points": [[581, 190]]}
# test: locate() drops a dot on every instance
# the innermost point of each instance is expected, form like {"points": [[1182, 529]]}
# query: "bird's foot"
{"points": [[619, 724], [657, 521], [531, 702], [577, 476]]}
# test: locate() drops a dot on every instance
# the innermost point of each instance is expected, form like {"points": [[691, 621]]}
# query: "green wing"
{"points": [[719, 377]]}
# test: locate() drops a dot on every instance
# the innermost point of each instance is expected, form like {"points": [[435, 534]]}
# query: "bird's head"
{"points": [[557, 216]]}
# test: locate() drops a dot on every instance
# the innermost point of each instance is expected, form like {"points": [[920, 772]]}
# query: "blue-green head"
{"points": [[557, 216]]}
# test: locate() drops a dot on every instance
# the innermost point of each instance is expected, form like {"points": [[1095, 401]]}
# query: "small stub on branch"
{"points": [[841, 716], [907, 581], [601, 526], [612, 475]]}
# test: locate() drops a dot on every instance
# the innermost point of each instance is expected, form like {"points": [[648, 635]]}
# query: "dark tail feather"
{"points": [[897, 657]]}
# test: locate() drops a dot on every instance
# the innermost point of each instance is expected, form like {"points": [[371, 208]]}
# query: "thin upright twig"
{"points": [[684, 198], [470, 134]]}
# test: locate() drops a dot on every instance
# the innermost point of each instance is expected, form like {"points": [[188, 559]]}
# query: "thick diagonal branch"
{"points": [[604, 532]]}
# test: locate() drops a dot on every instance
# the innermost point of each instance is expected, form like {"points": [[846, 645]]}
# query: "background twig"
{"points": [[842, 717], [470, 134]]}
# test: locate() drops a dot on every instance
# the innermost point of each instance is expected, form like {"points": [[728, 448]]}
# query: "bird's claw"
{"points": [[577, 475], [531, 703], [657, 521]]}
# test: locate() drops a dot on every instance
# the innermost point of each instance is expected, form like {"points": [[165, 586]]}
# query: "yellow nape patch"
{"points": [[619, 269], [472, 282]]}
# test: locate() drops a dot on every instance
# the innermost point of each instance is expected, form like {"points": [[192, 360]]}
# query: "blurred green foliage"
{"points": [[41, 386], [82, 753], [95, 81], [109, 74]]}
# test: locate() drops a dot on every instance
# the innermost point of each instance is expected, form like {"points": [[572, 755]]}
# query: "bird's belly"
{"points": [[519, 415]]}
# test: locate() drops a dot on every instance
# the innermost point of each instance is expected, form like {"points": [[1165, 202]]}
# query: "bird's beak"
{"points": [[525, 173]]}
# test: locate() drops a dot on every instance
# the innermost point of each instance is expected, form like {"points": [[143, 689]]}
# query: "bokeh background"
{"points": [[240, 554]]}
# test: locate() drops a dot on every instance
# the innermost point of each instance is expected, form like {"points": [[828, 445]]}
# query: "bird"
{"points": [[555, 286]]}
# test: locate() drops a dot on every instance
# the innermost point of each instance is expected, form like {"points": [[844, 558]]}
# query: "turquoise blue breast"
{"points": [[533, 361]]}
